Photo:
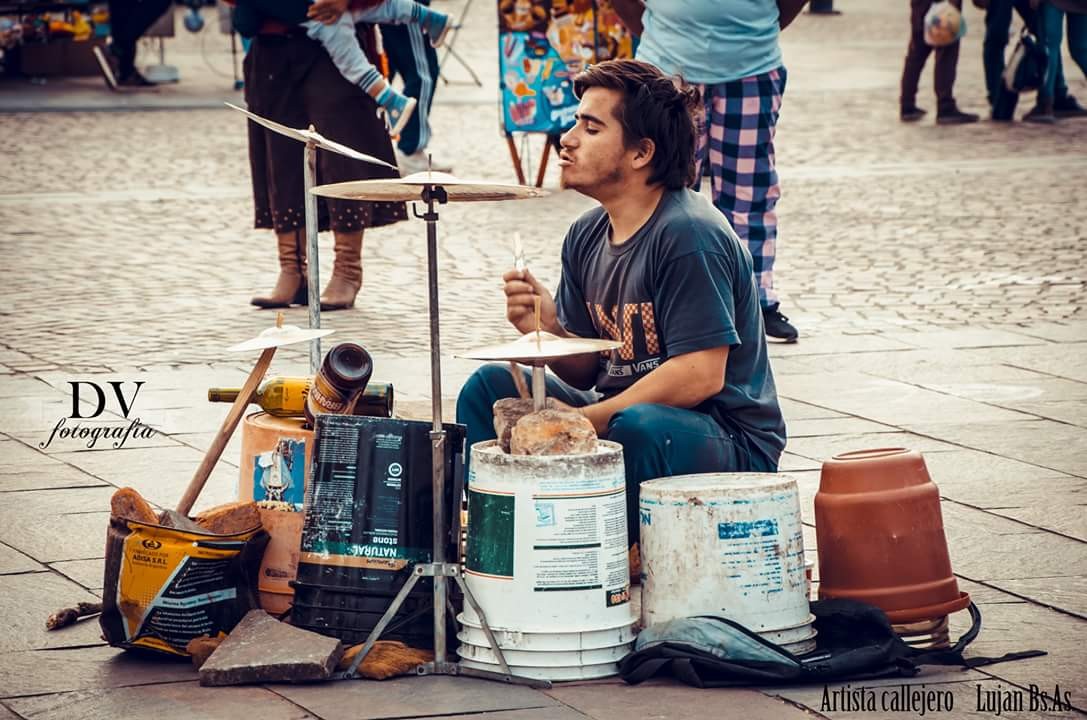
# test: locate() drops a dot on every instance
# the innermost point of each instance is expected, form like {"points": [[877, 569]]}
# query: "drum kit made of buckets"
{"points": [[544, 582]]}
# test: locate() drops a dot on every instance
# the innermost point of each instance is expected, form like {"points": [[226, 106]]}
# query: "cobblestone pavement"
{"points": [[937, 275]]}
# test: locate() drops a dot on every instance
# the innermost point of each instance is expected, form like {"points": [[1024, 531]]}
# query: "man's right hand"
{"points": [[521, 289]]}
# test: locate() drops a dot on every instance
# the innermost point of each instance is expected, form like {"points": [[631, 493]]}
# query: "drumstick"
{"points": [[536, 302]]}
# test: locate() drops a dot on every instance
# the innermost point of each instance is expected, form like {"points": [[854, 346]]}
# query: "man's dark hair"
{"points": [[654, 107]]}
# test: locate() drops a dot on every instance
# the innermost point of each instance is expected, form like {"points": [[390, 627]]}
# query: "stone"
{"points": [[229, 518], [262, 649], [553, 432], [127, 504], [507, 411]]}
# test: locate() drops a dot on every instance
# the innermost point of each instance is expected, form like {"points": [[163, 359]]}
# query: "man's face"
{"points": [[593, 159]]}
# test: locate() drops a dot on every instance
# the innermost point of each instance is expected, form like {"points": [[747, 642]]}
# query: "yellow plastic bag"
{"points": [[163, 586]]}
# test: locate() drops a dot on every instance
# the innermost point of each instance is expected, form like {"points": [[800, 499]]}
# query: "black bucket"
{"points": [[368, 522]]}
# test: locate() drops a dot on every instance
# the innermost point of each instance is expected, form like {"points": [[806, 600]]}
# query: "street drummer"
{"points": [[657, 267]]}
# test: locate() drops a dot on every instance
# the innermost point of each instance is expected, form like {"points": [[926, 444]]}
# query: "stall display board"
{"points": [[542, 45]]}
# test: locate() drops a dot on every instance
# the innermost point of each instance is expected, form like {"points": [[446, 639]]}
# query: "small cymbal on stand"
{"points": [[411, 188], [530, 348]]}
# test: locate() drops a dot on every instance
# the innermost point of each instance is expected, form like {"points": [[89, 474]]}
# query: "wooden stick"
{"points": [[536, 299], [192, 492], [516, 158], [519, 381]]}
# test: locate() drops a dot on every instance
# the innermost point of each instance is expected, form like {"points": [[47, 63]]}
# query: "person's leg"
{"points": [[1050, 32], [475, 403], [998, 20], [662, 441], [916, 54], [417, 62], [401, 12], [129, 20], [743, 121], [1077, 40]]}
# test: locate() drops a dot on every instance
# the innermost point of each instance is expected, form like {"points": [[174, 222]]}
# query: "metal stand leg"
{"points": [[439, 569], [313, 266]]}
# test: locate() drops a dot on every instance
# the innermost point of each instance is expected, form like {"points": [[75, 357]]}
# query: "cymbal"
{"points": [[317, 138], [276, 336], [526, 350], [410, 188]]}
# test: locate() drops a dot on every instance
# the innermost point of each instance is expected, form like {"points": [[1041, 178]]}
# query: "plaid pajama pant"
{"points": [[737, 133]]}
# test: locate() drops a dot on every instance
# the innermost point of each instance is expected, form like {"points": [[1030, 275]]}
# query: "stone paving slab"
{"points": [[12, 561], [1009, 627], [1040, 442], [174, 701], [1067, 594], [1065, 515], [88, 573], [159, 474], [43, 672], [559, 713], [821, 427], [27, 601], [52, 525], [664, 698], [1072, 412], [889, 401], [961, 697], [411, 697], [989, 547]]}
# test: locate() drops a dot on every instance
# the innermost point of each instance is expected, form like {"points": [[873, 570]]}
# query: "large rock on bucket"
{"points": [[553, 432], [508, 411]]}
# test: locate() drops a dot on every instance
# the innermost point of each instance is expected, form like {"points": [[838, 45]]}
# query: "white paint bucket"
{"points": [[557, 659], [726, 544], [547, 560], [547, 540], [547, 642], [557, 674]]}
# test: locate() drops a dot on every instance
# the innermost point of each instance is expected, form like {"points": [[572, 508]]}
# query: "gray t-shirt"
{"points": [[682, 283]]}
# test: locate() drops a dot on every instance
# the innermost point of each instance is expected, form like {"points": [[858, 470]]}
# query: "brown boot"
{"points": [[291, 286], [346, 278]]}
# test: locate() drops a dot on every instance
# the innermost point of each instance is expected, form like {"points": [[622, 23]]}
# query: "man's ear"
{"points": [[643, 154]]}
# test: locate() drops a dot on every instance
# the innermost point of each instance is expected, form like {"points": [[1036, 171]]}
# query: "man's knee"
{"points": [[490, 381], [636, 425]]}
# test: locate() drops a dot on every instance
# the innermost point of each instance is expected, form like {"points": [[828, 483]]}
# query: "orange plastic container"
{"points": [[881, 536]]}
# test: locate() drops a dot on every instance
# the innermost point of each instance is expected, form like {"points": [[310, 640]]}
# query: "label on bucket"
{"points": [[580, 543], [490, 548], [279, 474], [752, 553]]}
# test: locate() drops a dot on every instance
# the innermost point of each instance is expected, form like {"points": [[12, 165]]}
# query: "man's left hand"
{"points": [[327, 11]]}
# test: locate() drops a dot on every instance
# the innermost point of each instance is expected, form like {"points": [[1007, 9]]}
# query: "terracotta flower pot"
{"points": [[881, 536]]}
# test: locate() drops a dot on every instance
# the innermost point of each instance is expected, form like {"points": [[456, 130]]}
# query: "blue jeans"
{"points": [[1050, 32], [658, 440]]}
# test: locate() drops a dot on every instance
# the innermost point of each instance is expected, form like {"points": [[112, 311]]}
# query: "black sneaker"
{"points": [[1041, 113], [135, 79], [955, 117], [911, 114], [777, 325], [1068, 107]]}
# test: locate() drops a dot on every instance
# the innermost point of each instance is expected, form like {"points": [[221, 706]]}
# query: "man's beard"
{"points": [[595, 188]]}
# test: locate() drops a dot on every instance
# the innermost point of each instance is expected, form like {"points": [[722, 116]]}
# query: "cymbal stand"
{"points": [[439, 569], [312, 266]]}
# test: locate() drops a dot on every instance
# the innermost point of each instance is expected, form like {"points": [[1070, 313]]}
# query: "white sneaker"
{"points": [[417, 162]]}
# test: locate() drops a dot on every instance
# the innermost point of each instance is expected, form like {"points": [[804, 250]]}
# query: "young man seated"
{"points": [[657, 267]]}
